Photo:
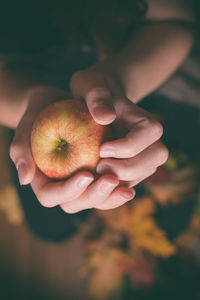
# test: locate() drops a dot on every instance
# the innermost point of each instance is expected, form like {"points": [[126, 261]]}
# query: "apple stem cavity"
{"points": [[62, 145]]}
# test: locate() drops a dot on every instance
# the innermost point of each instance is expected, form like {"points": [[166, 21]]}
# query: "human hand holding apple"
{"points": [[136, 145], [135, 151], [77, 192]]}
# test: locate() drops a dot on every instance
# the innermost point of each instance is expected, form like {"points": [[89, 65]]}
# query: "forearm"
{"points": [[151, 57], [14, 84]]}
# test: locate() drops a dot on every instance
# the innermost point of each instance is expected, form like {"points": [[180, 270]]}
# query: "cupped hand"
{"points": [[77, 193], [135, 151]]}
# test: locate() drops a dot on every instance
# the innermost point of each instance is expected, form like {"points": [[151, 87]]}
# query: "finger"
{"points": [[91, 86], [99, 102], [51, 193], [20, 152], [94, 195], [135, 167], [117, 198], [143, 134], [142, 178]]}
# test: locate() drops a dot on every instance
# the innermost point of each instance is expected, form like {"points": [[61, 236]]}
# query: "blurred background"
{"points": [[146, 249]]}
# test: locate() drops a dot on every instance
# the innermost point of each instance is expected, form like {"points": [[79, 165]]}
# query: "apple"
{"points": [[65, 139]]}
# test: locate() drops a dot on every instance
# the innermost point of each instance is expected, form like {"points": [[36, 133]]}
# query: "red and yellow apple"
{"points": [[65, 139]]}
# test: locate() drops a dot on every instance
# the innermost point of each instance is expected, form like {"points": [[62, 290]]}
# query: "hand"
{"points": [[135, 151], [76, 193]]}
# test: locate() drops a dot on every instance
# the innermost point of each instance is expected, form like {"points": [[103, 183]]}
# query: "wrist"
{"points": [[123, 74], [43, 95]]}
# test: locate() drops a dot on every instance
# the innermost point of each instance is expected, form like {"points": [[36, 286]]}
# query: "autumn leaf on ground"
{"points": [[136, 220]]}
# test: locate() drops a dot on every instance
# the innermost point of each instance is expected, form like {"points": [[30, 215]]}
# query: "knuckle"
{"points": [[120, 168], [98, 199], [44, 201], [18, 151], [76, 76], [68, 209], [156, 128], [11, 152], [113, 202], [163, 154], [152, 172], [128, 151], [15, 148], [126, 172]]}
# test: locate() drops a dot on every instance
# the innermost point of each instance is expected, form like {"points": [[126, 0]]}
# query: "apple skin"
{"points": [[65, 139]]}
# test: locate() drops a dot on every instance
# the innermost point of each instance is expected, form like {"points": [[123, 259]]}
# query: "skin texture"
{"points": [[65, 139], [110, 190], [107, 89]]}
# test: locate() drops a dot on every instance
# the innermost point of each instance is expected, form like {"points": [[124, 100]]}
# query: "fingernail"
{"points": [[84, 181], [103, 169], [104, 113], [128, 194], [107, 187], [100, 107], [22, 171], [107, 152]]}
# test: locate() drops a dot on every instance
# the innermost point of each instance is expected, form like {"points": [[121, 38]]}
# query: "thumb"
{"points": [[91, 86], [20, 151]]}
